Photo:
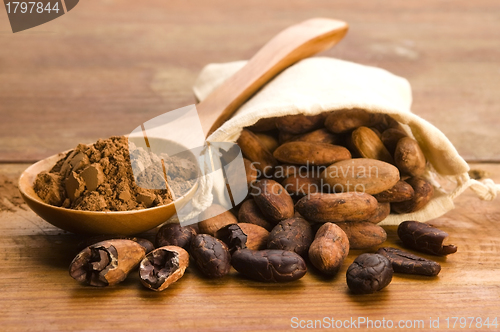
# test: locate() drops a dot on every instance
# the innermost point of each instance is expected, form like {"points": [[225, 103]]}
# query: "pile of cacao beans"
{"points": [[318, 187]]}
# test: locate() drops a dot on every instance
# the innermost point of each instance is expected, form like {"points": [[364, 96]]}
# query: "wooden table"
{"points": [[108, 65]]}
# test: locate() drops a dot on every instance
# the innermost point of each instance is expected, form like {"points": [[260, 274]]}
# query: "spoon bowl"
{"points": [[94, 222]]}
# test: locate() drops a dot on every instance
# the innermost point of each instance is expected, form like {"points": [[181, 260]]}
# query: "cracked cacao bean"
{"points": [[342, 207], [425, 238], [293, 234], [174, 235], [369, 273], [273, 200], [269, 265], [163, 266], [211, 255], [250, 213], [363, 234], [106, 263], [405, 262], [329, 248], [243, 236]]}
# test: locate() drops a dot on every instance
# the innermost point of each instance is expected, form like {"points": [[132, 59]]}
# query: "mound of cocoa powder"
{"points": [[99, 177]]}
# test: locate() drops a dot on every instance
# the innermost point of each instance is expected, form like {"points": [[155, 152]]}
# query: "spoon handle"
{"points": [[288, 47]]}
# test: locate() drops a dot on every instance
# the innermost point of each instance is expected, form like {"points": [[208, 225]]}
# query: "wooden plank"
{"points": [[34, 283], [106, 67]]}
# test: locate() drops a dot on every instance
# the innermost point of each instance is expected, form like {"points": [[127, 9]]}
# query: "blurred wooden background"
{"points": [[107, 66]]}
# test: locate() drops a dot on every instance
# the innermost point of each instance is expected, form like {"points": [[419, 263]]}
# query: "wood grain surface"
{"points": [[107, 66], [37, 294]]}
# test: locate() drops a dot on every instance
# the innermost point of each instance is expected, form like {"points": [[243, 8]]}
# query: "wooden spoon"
{"points": [[291, 45], [288, 47]]}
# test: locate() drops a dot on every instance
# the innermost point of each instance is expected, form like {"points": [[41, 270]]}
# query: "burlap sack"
{"points": [[321, 84]]}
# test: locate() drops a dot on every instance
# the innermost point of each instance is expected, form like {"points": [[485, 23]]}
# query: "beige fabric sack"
{"points": [[321, 84]]}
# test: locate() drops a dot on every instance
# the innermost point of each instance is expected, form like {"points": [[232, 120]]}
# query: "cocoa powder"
{"points": [[10, 198], [99, 177]]}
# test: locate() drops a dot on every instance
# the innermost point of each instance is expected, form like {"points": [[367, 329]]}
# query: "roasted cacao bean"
{"points": [[369, 273], [425, 238], [174, 235], [211, 255], [163, 266], [294, 234], [106, 263], [243, 236], [269, 265], [405, 262]]}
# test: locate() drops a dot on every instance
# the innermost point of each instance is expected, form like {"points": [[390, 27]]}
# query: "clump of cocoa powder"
{"points": [[100, 177]]}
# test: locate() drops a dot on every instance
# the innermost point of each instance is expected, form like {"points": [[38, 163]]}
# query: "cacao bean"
{"points": [[294, 234], [211, 255], [337, 207], [383, 210], [299, 123], [423, 193], [329, 248], [243, 236], [363, 234], [368, 145], [174, 235], [409, 158], [424, 238], [369, 273], [214, 218], [341, 121], [163, 266], [253, 149], [360, 175], [270, 143], [307, 153], [273, 200], [269, 265], [250, 213], [391, 137], [400, 192], [405, 262]]}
